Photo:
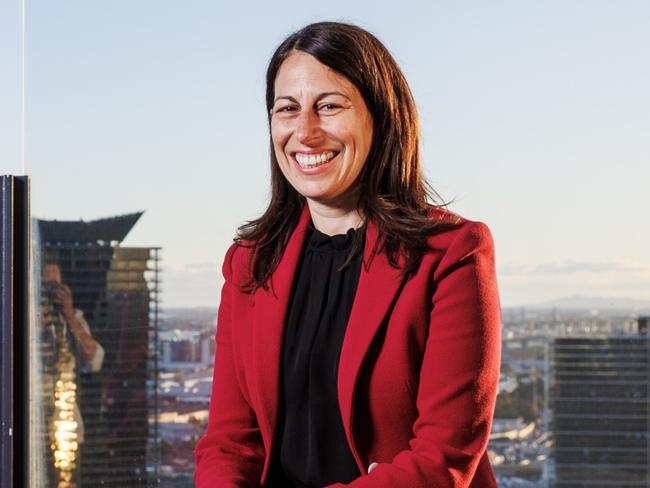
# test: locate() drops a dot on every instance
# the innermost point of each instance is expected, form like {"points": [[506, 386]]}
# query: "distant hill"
{"points": [[582, 302], [190, 313], [573, 303], [190, 309]]}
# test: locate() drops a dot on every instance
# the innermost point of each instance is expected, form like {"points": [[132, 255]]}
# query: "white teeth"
{"points": [[310, 161]]}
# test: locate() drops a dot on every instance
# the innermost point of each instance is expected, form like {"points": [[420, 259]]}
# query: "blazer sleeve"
{"points": [[231, 453], [459, 375]]}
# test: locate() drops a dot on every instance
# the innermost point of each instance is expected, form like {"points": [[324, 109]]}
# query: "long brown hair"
{"points": [[393, 193]]}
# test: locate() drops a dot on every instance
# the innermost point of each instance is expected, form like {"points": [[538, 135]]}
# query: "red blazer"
{"points": [[418, 373]]}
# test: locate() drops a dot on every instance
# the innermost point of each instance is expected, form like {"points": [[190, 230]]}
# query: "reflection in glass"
{"points": [[95, 379]]}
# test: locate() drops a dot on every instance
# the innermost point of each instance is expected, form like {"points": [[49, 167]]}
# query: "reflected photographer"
{"points": [[59, 312], [68, 348]]}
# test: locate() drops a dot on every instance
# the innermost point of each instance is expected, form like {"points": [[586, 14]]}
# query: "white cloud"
{"points": [[573, 266], [523, 284]]}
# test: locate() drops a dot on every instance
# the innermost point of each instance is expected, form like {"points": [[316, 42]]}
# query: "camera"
{"points": [[49, 295]]}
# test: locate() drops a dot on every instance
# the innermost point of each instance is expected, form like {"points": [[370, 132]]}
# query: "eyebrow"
{"points": [[319, 97]]}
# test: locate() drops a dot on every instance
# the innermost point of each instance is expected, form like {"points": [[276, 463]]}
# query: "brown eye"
{"points": [[329, 108], [286, 109]]}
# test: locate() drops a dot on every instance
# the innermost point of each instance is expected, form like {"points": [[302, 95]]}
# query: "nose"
{"points": [[308, 129]]}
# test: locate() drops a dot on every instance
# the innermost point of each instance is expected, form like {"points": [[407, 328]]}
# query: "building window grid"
{"points": [[596, 361]]}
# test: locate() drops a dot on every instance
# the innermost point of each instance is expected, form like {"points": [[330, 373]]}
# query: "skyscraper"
{"points": [[111, 416], [600, 410]]}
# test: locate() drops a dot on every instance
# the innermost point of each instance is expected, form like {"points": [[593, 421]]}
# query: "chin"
{"points": [[314, 196], [310, 191]]}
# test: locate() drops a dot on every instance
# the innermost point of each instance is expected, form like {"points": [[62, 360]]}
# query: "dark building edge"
{"points": [[14, 333]]}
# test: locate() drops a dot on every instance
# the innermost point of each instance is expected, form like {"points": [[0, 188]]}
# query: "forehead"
{"points": [[302, 72], [51, 270]]}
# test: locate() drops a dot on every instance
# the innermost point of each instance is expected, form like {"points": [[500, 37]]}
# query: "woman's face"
{"points": [[321, 129]]}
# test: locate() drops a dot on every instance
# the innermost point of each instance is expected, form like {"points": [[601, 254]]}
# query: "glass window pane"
{"points": [[95, 371]]}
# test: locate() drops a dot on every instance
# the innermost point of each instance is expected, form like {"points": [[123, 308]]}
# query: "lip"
{"points": [[313, 171]]}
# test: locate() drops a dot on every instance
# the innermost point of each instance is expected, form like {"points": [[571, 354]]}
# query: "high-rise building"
{"points": [[110, 361], [600, 415]]}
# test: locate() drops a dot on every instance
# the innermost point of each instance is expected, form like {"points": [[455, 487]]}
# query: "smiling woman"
{"points": [[358, 335], [322, 132]]}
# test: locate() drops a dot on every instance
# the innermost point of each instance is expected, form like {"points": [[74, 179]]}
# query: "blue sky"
{"points": [[535, 119]]}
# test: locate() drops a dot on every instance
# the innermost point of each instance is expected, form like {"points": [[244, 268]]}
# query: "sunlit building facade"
{"points": [[109, 338]]}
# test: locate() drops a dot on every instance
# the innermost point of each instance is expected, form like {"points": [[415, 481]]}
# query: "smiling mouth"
{"points": [[309, 161]]}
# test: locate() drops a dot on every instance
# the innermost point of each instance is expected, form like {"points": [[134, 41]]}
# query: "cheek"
{"points": [[368, 135], [363, 141], [280, 136]]}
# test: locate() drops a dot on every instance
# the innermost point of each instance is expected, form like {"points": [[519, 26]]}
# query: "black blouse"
{"points": [[311, 449]]}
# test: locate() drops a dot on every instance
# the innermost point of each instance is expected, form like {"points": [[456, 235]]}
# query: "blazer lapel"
{"points": [[378, 285], [270, 317]]}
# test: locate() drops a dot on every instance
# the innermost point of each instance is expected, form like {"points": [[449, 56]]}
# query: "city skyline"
{"points": [[534, 120]]}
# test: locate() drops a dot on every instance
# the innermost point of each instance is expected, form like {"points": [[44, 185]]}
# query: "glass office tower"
{"points": [[97, 343], [600, 415]]}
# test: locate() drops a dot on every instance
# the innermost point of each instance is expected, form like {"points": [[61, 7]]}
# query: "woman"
{"points": [[358, 335]]}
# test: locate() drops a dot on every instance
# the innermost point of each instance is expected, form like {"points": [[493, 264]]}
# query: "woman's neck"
{"points": [[332, 220]]}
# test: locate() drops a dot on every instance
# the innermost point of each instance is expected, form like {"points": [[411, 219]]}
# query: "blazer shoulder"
{"points": [[458, 231], [236, 262]]}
